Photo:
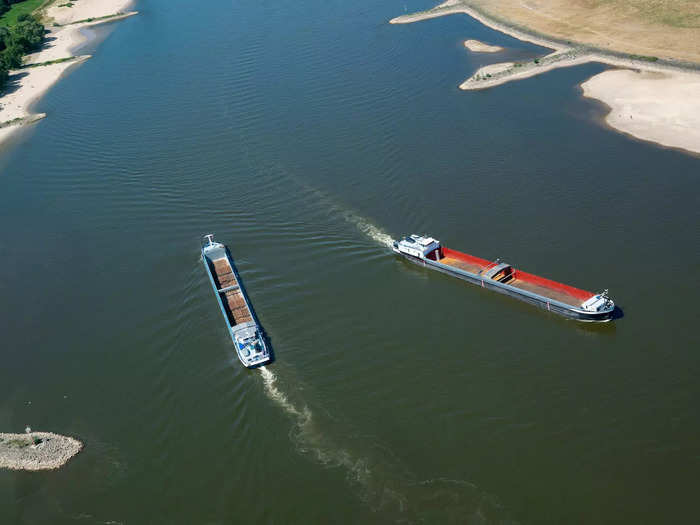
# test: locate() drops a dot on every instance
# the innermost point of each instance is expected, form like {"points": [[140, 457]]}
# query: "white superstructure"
{"points": [[598, 302], [416, 246]]}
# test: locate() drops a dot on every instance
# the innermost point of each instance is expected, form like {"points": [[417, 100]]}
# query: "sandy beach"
{"points": [[660, 107], [25, 86], [659, 102]]}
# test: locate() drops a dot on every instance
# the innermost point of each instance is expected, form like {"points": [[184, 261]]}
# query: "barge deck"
{"points": [[227, 284]]}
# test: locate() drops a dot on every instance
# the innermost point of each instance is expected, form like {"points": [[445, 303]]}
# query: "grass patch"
{"points": [[106, 17], [643, 57], [19, 443], [27, 7], [49, 62]]}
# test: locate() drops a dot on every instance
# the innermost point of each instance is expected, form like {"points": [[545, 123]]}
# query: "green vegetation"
{"points": [[19, 443], [645, 58], [50, 62], [12, 122], [85, 20], [11, 10], [24, 36]]}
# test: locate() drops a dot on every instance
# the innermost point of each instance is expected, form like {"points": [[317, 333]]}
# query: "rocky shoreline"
{"points": [[36, 450]]}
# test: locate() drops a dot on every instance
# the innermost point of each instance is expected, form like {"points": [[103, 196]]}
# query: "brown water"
{"points": [[306, 137]]}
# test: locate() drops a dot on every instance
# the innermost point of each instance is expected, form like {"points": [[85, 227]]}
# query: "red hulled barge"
{"points": [[503, 278]]}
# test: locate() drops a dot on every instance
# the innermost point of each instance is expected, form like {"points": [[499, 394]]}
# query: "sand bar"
{"points": [[36, 450], [479, 47], [25, 86], [664, 95]]}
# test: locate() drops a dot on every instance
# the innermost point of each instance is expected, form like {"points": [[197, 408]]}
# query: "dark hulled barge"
{"points": [[502, 277], [244, 329]]}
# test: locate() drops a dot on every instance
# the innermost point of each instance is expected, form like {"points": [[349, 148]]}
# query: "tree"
{"points": [[12, 56], [28, 34], [4, 37]]}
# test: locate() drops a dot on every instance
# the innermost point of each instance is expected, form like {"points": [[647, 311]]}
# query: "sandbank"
{"points": [[36, 450], [479, 47], [28, 84], [660, 107], [670, 89]]}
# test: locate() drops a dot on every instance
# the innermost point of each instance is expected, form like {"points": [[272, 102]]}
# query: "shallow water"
{"points": [[306, 137]]}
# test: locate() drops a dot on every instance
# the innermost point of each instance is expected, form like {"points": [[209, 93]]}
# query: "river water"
{"points": [[306, 137]]}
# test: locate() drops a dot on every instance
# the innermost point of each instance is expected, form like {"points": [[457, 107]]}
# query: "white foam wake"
{"points": [[334, 207], [274, 393], [369, 229], [308, 436], [385, 486]]}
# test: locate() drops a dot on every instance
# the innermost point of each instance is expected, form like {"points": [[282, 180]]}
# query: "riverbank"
{"points": [[671, 90], [28, 84], [36, 450]]}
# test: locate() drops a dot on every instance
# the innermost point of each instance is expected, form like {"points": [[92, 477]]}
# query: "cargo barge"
{"points": [[503, 278], [245, 331]]}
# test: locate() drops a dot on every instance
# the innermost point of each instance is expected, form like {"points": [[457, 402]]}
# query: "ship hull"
{"points": [[540, 301]]}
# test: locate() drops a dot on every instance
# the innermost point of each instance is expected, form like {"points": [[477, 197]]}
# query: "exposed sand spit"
{"points": [[479, 47]]}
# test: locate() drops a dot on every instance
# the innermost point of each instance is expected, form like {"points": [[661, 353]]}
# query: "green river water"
{"points": [[306, 136]]}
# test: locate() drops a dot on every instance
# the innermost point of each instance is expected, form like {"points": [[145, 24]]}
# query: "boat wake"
{"points": [[362, 224], [274, 393], [309, 438], [369, 229], [384, 485]]}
